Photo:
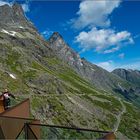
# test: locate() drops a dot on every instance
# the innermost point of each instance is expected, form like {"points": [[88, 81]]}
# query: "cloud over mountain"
{"points": [[103, 40], [108, 65]]}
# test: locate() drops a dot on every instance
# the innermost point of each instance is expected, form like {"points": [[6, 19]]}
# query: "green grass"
{"points": [[75, 81], [130, 124], [12, 61], [29, 74], [36, 102], [71, 84], [40, 67], [53, 61]]}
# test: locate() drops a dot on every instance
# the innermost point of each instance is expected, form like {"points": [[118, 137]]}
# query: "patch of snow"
{"points": [[12, 76], [81, 64], [12, 33], [4, 31], [92, 69], [119, 85], [21, 27]]}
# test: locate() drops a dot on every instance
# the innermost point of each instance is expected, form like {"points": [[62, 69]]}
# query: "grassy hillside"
{"points": [[58, 95]]}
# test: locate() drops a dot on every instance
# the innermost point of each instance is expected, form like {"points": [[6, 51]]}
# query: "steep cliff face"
{"points": [[62, 49], [13, 16], [22, 49], [56, 79]]}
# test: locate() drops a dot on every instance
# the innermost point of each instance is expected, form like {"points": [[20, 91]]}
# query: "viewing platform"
{"points": [[15, 123]]}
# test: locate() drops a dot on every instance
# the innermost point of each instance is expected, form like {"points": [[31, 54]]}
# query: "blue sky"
{"points": [[106, 33]]}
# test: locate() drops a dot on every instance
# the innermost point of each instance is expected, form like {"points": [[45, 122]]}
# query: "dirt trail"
{"points": [[116, 126]]}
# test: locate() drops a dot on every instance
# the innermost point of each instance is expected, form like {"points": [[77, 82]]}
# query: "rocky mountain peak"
{"points": [[12, 16], [55, 37], [60, 45], [56, 34], [17, 8]]}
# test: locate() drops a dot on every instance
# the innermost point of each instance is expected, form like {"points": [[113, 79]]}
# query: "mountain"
{"points": [[100, 78], [13, 17], [132, 76], [63, 88], [96, 75]]}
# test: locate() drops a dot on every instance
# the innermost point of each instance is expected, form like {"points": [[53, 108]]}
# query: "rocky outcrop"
{"points": [[13, 16]]}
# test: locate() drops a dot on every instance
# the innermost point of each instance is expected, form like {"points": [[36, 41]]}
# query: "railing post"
{"points": [[29, 134], [26, 131]]}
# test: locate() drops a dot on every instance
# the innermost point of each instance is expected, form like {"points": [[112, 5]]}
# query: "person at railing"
{"points": [[6, 96]]}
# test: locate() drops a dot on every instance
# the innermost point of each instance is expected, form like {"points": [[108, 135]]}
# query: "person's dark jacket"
{"points": [[7, 100]]}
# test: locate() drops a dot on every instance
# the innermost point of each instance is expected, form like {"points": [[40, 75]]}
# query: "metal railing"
{"points": [[22, 128], [52, 132], [14, 124]]}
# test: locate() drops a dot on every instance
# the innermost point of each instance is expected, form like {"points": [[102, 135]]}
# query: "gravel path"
{"points": [[116, 126]]}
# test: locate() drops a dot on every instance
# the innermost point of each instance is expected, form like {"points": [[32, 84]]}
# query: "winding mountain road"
{"points": [[116, 126]]}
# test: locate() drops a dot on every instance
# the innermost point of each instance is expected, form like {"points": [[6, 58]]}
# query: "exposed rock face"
{"points": [[13, 16], [62, 50], [17, 30], [21, 45], [132, 76]]}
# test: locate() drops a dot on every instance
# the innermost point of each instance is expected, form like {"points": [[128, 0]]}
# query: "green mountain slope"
{"points": [[57, 93], [99, 77]]}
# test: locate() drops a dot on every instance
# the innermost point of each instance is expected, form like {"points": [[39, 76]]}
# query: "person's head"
{"points": [[5, 90]]}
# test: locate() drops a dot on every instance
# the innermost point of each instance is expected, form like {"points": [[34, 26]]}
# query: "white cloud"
{"points": [[47, 33], [4, 2], [94, 13], [111, 65], [25, 7], [108, 65], [103, 40], [135, 65], [114, 49], [121, 55], [95, 16]]}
